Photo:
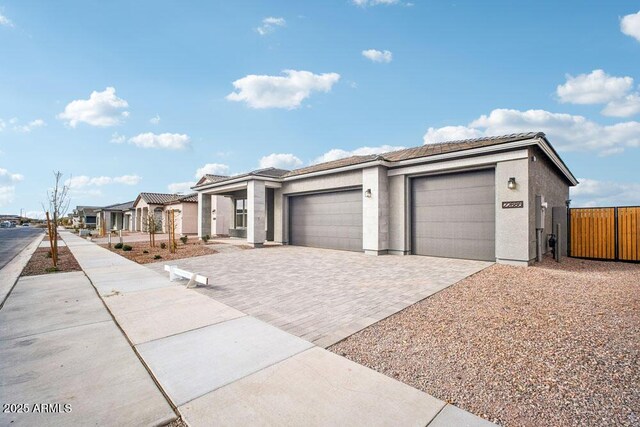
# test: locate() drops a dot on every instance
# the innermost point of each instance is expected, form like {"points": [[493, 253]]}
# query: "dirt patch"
{"points": [[191, 249], [40, 262], [554, 344]]}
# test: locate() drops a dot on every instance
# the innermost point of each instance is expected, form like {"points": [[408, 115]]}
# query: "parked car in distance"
{"points": [[26, 224], [6, 224]]}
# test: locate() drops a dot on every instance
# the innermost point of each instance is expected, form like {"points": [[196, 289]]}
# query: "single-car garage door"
{"points": [[327, 220], [453, 215]]}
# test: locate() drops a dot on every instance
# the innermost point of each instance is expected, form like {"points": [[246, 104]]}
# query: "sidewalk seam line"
{"points": [[133, 347], [54, 330]]}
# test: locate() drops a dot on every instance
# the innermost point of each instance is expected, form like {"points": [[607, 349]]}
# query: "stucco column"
{"points": [[256, 214], [278, 216], [375, 210], [204, 214], [512, 225]]}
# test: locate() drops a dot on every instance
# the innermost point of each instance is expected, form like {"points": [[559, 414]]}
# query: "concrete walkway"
{"points": [[221, 367], [60, 346]]}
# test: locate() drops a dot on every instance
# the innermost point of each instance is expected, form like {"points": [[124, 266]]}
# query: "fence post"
{"points": [[615, 233], [568, 231]]}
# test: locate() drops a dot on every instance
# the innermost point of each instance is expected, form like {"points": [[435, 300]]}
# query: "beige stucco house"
{"points": [[185, 208]]}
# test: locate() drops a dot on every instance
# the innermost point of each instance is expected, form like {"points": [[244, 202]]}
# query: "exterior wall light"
{"points": [[512, 183], [367, 193]]}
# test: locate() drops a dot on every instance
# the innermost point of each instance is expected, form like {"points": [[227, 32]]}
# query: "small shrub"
{"points": [[51, 269], [157, 257], [145, 251], [184, 239], [163, 245], [206, 238], [126, 248], [118, 246]]}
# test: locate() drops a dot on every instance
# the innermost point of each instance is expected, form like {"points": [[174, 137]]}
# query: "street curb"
{"points": [[10, 273]]}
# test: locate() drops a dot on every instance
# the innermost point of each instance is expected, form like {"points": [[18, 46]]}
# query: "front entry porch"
{"points": [[244, 210]]}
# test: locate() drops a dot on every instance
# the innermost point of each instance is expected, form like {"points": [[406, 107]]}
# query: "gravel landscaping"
{"points": [[137, 254], [40, 262], [550, 345]]}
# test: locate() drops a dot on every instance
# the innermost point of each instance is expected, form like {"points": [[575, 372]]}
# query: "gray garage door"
{"points": [[327, 220], [453, 215]]}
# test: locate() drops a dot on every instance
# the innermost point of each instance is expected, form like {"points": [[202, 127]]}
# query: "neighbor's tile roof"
{"points": [[118, 207], [425, 150], [158, 198], [187, 199]]}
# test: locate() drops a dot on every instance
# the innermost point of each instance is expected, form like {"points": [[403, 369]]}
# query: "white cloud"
{"points": [[155, 120], [212, 169], [180, 187], [6, 176], [37, 123], [270, 24], [591, 192], [595, 88], [116, 138], [624, 107], [127, 179], [565, 131], [3, 125], [281, 161], [170, 141], [82, 181], [338, 153], [4, 21], [450, 133], [630, 25], [364, 3], [599, 87], [286, 91], [7, 192], [101, 109], [378, 55]]}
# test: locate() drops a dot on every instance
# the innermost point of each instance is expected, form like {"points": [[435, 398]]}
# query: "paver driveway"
{"points": [[322, 295]]}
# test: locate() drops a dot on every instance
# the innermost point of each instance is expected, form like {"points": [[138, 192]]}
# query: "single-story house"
{"points": [[494, 198], [84, 216], [185, 209], [114, 217]]}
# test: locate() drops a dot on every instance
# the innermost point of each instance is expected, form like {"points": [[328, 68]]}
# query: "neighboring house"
{"points": [[85, 216], [185, 209], [114, 217], [490, 199]]}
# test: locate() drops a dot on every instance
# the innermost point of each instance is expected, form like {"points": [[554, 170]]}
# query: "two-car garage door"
{"points": [[453, 215], [327, 220]]}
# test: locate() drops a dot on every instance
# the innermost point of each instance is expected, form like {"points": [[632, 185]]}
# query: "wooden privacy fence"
{"points": [[605, 233]]}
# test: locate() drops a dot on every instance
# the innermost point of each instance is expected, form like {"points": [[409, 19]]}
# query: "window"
{"points": [[240, 206]]}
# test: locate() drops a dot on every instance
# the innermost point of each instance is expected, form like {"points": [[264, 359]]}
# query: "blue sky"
{"points": [[138, 96]]}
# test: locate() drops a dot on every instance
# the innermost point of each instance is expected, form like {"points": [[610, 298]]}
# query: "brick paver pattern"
{"points": [[322, 295]]}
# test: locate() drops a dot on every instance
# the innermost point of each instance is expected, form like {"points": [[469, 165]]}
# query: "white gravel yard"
{"points": [[550, 345]]}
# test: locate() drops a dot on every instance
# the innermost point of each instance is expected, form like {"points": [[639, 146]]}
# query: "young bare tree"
{"points": [[58, 201], [150, 222]]}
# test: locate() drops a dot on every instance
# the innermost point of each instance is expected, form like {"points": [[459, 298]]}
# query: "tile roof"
{"points": [[118, 207], [425, 150], [167, 198]]}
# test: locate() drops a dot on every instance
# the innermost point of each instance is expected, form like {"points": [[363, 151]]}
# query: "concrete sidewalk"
{"points": [[60, 346], [222, 367]]}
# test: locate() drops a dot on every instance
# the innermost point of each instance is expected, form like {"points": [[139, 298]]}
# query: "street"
{"points": [[13, 240]]}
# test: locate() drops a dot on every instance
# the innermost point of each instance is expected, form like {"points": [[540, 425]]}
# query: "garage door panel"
{"points": [[454, 215], [459, 214], [459, 197], [456, 248], [327, 220], [486, 231]]}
